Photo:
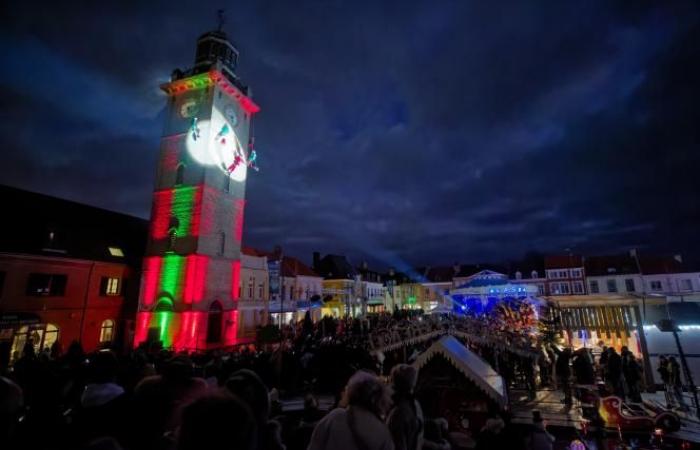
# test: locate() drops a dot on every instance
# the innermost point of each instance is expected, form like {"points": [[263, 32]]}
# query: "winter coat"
{"points": [[353, 428], [405, 423]]}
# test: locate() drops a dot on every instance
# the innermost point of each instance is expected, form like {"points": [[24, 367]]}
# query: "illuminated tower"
{"points": [[191, 276]]}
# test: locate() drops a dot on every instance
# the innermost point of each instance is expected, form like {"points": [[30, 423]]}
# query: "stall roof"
{"points": [[473, 367]]}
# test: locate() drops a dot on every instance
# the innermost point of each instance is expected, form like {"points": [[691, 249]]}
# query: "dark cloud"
{"points": [[403, 133]]}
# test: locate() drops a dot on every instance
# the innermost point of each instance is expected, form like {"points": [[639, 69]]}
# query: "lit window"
{"points": [[116, 251], [110, 286], [107, 331]]}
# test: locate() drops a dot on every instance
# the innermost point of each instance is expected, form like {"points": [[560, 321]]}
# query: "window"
{"points": [[261, 290], [110, 286], [563, 274], [40, 284], [578, 287], [560, 289], [180, 174], [214, 322], [629, 285], [655, 285], [540, 289], [576, 273], [594, 286], [222, 242], [611, 285], [686, 285], [534, 274], [107, 331], [116, 251], [251, 284]]}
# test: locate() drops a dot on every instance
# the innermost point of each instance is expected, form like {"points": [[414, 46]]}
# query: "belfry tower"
{"points": [[191, 272]]}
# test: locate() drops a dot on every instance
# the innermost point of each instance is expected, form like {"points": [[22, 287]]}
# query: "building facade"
{"points": [[565, 275], [192, 267]]}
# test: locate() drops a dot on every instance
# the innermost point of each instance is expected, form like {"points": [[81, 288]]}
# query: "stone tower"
{"points": [[191, 273]]}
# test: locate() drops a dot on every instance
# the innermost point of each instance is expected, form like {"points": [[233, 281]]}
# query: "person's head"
{"points": [[403, 379], [178, 369], [310, 403], [104, 366], [248, 386], [366, 391], [217, 422]]}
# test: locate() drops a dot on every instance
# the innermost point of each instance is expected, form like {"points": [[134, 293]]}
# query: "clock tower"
{"points": [[191, 271]]}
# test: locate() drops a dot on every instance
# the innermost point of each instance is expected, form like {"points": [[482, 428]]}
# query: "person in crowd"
{"points": [[103, 402], [632, 372], [603, 362], [159, 399], [491, 434], [662, 369], [217, 422], [676, 383], [11, 404], [614, 373], [248, 386], [435, 434], [564, 374], [405, 420], [357, 424], [539, 438], [584, 371]]}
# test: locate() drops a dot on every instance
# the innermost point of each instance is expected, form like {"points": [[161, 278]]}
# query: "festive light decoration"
{"points": [[177, 291]]}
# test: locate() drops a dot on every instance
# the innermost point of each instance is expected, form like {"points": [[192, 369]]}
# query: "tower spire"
{"points": [[220, 19]]}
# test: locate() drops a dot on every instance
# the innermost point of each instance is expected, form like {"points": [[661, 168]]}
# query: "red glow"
{"points": [[235, 278], [151, 275], [230, 328], [143, 320], [195, 278], [238, 220], [169, 160], [196, 212], [160, 218]]}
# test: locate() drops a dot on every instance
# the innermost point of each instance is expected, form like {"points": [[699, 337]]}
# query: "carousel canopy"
{"points": [[493, 284], [474, 368]]}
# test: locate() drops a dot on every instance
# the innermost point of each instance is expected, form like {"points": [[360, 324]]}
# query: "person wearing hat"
{"points": [[405, 420], [539, 438]]}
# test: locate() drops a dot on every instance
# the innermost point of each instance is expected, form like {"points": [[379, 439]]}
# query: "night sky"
{"points": [[416, 132]]}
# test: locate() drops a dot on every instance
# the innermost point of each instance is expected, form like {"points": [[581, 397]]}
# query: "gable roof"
{"points": [[468, 363], [290, 267], [610, 265], [39, 224], [335, 267]]}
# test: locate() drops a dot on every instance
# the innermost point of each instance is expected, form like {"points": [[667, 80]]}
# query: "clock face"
{"points": [[231, 116], [215, 143]]}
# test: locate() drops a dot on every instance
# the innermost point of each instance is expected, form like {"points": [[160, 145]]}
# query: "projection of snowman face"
{"points": [[215, 143]]}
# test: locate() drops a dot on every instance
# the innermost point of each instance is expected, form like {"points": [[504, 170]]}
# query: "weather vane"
{"points": [[220, 18]]}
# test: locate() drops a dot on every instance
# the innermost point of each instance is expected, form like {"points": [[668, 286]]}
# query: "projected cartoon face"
{"points": [[215, 143]]}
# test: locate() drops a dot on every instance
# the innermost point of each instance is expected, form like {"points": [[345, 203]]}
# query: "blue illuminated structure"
{"points": [[485, 290]]}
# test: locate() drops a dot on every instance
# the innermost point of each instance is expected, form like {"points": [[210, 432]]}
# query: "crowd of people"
{"points": [[153, 398]]}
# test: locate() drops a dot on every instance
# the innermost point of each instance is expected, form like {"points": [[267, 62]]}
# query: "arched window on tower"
{"points": [[180, 174], [107, 331], [172, 232], [214, 322], [222, 243]]}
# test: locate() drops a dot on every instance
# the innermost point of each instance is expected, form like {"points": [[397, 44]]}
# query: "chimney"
{"points": [[317, 260]]}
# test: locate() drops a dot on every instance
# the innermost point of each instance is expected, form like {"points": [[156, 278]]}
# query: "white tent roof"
{"points": [[473, 367]]}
